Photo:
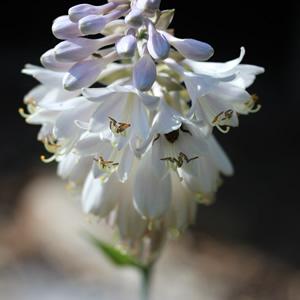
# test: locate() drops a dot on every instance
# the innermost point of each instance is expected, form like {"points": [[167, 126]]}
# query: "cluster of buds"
{"points": [[142, 36], [140, 149]]}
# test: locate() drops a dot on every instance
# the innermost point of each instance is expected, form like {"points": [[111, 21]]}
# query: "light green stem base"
{"points": [[146, 283]]}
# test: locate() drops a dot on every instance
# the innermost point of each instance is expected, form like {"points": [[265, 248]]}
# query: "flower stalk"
{"points": [[146, 278]]}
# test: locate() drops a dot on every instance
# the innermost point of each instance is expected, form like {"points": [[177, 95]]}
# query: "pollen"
{"points": [[223, 116], [118, 127], [107, 165]]}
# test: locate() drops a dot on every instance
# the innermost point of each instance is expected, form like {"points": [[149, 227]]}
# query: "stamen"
{"points": [[47, 160], [252, 105], [51, 144], [118, 127], [223, 116], [223, 130], [105, 164], [256, 109], [23, 113], [178, 162]]}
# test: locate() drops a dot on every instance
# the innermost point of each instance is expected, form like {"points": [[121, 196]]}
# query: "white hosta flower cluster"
{"points": [[128, 111]]}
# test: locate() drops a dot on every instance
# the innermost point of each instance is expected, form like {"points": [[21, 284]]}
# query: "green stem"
{"points": [[146, 282]]}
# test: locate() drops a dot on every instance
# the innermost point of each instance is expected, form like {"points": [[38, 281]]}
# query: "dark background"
{"points": [[260, 204]]}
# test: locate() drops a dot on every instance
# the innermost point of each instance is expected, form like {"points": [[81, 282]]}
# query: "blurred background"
{"points": [[247, 244]]}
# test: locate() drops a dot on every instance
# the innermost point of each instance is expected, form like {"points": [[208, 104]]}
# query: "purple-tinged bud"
{"points": [[144, 73], [126, 46], [94, 24], [63, 28], [49, 61], [80, 11], [148, 5], [80, 48], [158, 46], [190, 48], [85, 73], [135, 18]]}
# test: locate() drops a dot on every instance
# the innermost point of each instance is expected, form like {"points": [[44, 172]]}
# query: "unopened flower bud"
{"points": [[78, 49], [49, 61], [158, 45], [94, 24], [64, 29], [190, 48], [126, 46], [85, 73], [135, 18], [82, 74], [144, 73], [80, 11], [148, 5]]}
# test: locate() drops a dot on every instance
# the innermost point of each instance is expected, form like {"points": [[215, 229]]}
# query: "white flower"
{"points": [[140, 149], [218, 90]]}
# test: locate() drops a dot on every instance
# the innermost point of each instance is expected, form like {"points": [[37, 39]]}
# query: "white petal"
{"points": [[99, 198], [152, 195], [107, 109], [129, 221], [219, 157], [67, 164], [47, 77], [140, 124], [150, 102], [65, 126], [216, 69], [125, 164], [89, 145]]}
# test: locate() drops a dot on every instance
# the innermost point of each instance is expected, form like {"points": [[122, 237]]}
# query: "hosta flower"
{"points": [[140, 148]]}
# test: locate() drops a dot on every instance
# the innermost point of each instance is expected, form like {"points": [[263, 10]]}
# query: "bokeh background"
{"points": [[258, 208]]}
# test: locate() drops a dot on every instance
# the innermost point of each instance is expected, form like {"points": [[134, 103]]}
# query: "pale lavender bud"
{"points": [[85, 73], [158, 46], [135, 18], [80, 48], [49, 61], [189, 48], [126, 46], [94, 24], [63, 28], [80, 11], [144, 73], [148, 5]]}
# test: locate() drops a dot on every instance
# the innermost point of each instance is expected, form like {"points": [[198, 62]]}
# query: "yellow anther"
{"points": [[223, 116], [105, 164], [118, 127], [178, 161]]}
